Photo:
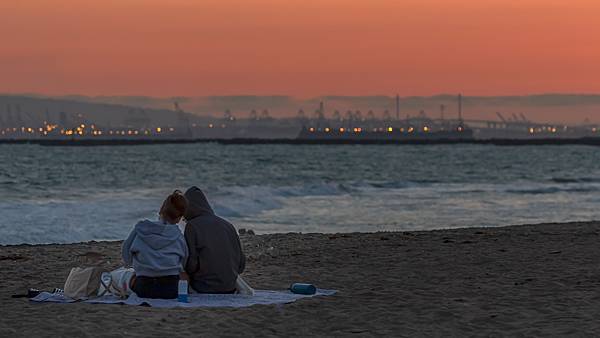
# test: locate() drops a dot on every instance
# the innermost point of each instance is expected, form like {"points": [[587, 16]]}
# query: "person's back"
{"points": [[215, 254], [155, 248], [157, 251]]}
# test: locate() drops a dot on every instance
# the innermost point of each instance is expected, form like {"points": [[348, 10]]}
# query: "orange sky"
{"points": [[299, 47]]}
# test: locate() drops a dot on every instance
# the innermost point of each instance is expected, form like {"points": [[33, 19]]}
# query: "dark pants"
{"points": [[203, 288], [164, 287]]}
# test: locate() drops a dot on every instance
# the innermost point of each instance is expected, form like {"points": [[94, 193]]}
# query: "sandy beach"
{"points": [[530, 280]]}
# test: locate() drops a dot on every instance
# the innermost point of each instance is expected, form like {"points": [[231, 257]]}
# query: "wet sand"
{"points": [[532, 280]]}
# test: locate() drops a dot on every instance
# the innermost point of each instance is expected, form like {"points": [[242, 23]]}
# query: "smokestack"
{"points": [[321, 110], [397, 107], [460, 107], [442, 107]]}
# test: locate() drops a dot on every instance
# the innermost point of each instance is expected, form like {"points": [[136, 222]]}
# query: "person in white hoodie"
{"points": [[157, 251]]}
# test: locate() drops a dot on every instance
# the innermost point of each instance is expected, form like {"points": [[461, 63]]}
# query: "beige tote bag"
{"points": [[83, 283]]}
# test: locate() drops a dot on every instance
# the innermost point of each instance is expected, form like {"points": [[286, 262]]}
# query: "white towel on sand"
{"points": [[262, 297]]}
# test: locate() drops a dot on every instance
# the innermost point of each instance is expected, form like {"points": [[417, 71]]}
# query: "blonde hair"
{"points": [[173, 208]]}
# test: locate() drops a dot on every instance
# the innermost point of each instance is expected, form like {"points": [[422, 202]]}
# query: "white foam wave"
{"points": [[321, 206]]}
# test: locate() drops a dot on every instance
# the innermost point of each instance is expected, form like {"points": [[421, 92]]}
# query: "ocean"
{"points": [[74, 194]]}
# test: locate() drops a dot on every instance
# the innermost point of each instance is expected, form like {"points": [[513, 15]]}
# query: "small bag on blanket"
{"points": [[118, 281], [83, 283]]}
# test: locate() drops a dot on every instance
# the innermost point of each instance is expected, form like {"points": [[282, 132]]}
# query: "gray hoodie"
{"points": [[155, 249], [215, 253]]}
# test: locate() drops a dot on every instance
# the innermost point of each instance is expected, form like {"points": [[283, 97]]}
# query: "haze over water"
{"points": [[71, 194]]}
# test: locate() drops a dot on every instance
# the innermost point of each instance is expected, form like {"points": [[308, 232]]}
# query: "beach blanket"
{"points": [[261, 297]]}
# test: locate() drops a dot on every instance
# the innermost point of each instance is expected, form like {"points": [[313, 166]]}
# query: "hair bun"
{"points": [[174, 206]]}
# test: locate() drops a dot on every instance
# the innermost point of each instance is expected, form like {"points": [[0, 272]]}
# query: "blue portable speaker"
{"points": [[303, 289]]}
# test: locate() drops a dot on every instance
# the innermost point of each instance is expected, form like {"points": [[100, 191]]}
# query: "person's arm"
{"points": [[184, 276], [185, 256], [191, 264], [126, 249]]}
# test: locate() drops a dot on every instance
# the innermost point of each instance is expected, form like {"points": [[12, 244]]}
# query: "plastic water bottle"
{"points": [[182, 291], [303, 289]]}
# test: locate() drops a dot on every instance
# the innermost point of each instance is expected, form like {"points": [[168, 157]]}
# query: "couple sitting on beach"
{"points": [[209, 255]]}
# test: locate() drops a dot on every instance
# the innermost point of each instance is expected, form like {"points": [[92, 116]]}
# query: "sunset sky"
{"points": [[300, 48]]}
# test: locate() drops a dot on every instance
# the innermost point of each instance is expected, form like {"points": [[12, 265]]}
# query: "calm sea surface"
{"points": [[72, 194]]}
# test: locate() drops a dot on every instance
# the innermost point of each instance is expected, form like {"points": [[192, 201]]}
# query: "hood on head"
{"points": [[197, 204], [157, 235]]}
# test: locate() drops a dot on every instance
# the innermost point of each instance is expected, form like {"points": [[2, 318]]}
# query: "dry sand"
{"points": [[539, 280]]}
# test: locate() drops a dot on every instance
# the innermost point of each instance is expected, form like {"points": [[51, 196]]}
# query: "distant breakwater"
{"points": [[591, 141]]}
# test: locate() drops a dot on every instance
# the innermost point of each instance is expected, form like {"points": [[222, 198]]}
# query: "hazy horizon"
{"points": [[557, 108]]}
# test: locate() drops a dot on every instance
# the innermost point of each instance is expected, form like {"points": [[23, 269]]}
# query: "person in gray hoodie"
{"points": [[157, 251], [215, 253]]}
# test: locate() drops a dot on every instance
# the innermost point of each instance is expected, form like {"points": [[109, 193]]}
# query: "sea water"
{"points": [[73, 194]]}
